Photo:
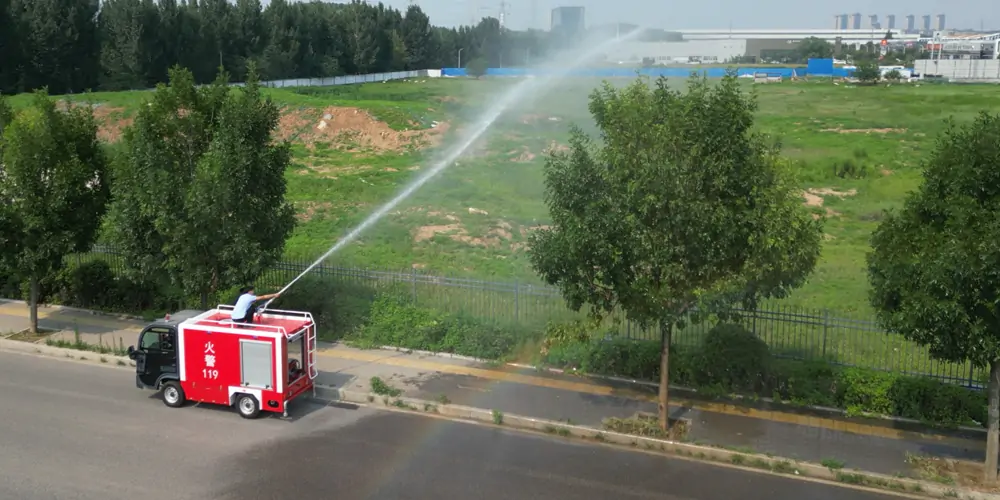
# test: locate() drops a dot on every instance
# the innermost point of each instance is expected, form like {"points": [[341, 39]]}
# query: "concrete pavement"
{"points": [[537, 394], [75, 431]]}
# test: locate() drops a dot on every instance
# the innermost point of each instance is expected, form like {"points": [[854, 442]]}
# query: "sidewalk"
{"points": [[580, 400]]}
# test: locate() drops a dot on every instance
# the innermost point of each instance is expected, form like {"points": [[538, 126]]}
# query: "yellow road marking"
{"points": [[382, 358]]}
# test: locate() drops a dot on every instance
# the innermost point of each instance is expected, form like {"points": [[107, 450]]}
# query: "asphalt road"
{"points": [[73, 431]]}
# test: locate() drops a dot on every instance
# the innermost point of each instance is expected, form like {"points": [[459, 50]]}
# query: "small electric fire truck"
{"points": [[207, 358]]}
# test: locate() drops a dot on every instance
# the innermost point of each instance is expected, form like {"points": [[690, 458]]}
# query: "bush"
{"points": [[734, 360], [94, 285], [338, 309], [91, 285], [395, 321]]}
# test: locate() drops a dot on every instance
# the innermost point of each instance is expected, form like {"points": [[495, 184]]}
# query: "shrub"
{"points": [[395, 321], [91, 285], [732, 359]]}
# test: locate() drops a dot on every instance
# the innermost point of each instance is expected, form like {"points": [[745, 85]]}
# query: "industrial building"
{"points": [[568, 21], [717, 46]]}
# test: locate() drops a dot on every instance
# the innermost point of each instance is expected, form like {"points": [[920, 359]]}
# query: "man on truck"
{"points": [[245, 308]]}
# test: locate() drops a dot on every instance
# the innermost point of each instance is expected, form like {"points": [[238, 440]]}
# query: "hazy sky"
{"points": [[778, 14]]}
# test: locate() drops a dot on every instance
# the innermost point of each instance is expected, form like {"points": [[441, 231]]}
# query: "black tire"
{"points": [[172, 394], [248, 406]]}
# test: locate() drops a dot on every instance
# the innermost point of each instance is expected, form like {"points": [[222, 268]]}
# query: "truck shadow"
{"points": [[299, 408]]}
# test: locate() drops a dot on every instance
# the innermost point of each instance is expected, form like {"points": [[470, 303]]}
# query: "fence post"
{"points": [[413, 283], [826, 325], [517, 301]]}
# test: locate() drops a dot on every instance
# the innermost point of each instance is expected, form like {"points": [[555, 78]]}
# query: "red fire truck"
{"points": [[203, 356]]}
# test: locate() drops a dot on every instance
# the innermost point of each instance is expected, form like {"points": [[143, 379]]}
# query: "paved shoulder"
{"points": [[395, 456], [76, 431]]}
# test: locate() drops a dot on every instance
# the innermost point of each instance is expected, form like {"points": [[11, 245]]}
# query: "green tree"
{"points": [[53, 187], [199, 192], [122, 57], [682, 209], [814, 48], [933, 267], [867, 71], [476, 67]]}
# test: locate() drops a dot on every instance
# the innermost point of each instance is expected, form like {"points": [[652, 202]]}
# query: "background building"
{"points": [[568, 21]]}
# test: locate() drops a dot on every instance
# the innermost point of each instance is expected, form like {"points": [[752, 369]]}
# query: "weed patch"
{"points": [[380, 387]]}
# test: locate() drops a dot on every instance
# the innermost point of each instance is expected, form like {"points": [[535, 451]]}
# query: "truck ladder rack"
{"points": [[311, 351]]}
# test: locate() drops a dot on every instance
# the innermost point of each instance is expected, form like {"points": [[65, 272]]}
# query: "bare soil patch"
{"points": [[352, 129], [950, 471], [111, 120], [525, 155], [814, 197], [865, 130], [555, 147], [306, 210]]}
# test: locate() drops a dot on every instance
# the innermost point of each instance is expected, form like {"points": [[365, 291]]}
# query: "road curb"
{"points": [[751, 461]]}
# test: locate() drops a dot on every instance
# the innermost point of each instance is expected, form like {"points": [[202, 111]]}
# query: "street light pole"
{"points": [[460, 57]]}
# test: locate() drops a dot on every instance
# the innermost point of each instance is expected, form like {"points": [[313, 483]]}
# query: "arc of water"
{"points": [[525, 87]]}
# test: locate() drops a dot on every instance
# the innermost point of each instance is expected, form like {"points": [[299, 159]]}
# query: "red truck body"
{"points": [[271, 360]]}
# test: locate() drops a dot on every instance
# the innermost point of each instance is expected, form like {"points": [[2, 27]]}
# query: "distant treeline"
{"points": [[72, 46]]}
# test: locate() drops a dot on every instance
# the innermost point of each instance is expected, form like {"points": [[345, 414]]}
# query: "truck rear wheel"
{"points": [[172, 394], [248, 406]]}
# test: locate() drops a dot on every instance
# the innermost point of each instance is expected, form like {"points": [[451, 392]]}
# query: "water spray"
{"points": [[506, 100]]}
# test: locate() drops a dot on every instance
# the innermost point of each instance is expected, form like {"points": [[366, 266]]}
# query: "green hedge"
{"points": [[395, 321], [732, 360]]}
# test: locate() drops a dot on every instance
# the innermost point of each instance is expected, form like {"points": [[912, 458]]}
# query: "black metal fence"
{"points": [[791, 332]]}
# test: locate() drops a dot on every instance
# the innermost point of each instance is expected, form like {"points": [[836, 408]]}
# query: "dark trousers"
{"points": [[248, 317]]}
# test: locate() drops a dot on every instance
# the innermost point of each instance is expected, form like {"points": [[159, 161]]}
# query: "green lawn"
{"points": [[858, 148]]}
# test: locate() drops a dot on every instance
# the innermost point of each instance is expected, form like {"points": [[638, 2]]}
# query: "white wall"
{"points": [[959, 69], [667, 52]]}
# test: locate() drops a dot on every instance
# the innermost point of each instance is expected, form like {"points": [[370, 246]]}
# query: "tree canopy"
{"points": [[52, 186], [934, 264], [199, 191], [72, 46], [681, 204]]}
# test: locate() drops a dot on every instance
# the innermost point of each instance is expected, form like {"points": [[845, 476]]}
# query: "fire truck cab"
{"points": [[203, 356]]}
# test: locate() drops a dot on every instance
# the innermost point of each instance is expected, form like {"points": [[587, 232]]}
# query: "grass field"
{"points": [[858, 150]]}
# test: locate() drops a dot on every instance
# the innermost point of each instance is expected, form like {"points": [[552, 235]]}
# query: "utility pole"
{"points": [[503, 13]]}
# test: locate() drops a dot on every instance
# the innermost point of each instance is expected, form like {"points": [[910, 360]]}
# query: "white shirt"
{"points": [[242, 305]]}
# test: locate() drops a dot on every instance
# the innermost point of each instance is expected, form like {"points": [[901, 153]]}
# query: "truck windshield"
{"points": [[157, 339]]}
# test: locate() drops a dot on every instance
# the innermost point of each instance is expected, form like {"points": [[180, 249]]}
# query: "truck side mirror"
{"points": [[131, 352]]}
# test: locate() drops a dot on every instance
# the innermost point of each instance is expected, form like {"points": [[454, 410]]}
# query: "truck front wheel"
{"points": [[173, 395], [248, 406]]}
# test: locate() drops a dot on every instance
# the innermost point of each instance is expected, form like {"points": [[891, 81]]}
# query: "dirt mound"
{"points": [[352, 129], [111, 120]]}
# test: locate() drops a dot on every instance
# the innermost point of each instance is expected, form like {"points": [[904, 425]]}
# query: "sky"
{"points": [[711, 14]]}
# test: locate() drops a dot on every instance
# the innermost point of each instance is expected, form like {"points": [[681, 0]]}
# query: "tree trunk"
{"points": [[993, 426], [664, 407], [204, 300], [33, 304]]}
